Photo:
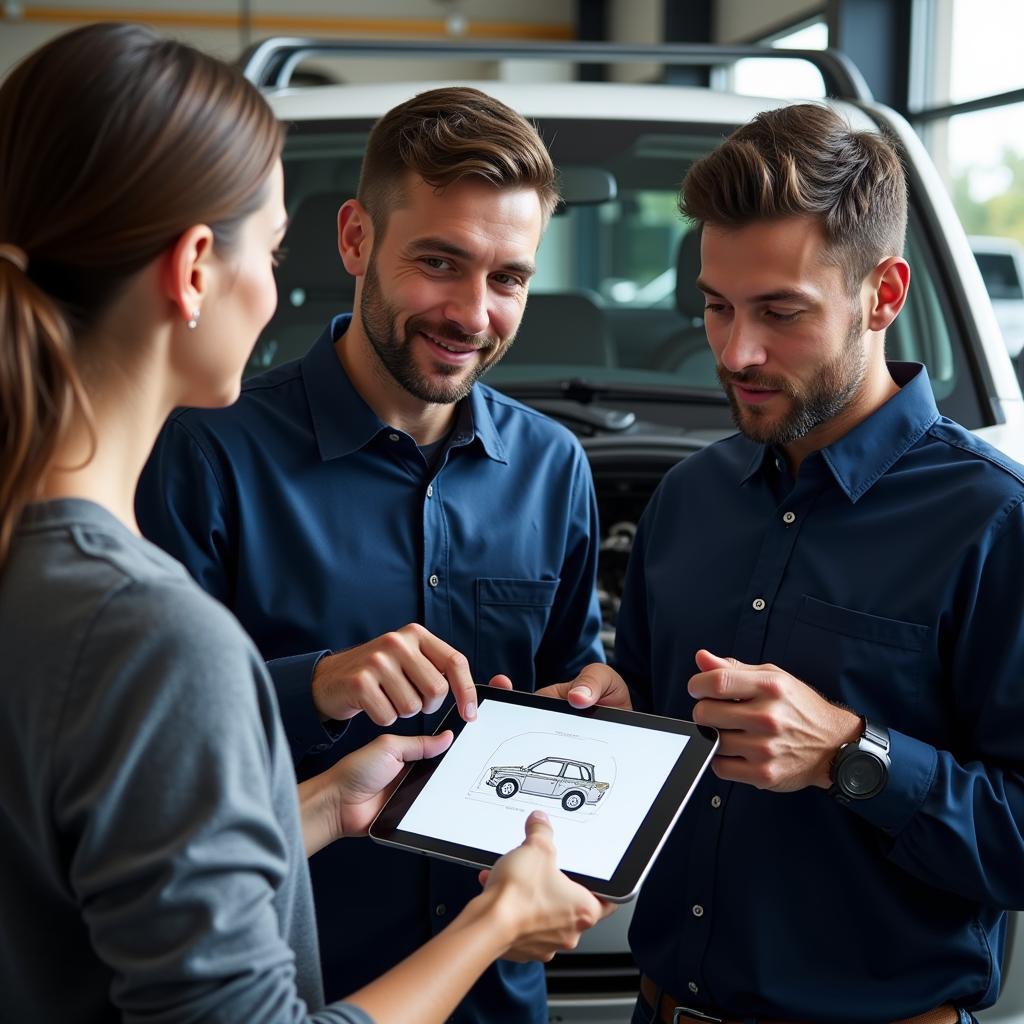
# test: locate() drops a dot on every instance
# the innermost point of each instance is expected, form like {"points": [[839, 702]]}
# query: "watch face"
{"points": [[861, 775]]}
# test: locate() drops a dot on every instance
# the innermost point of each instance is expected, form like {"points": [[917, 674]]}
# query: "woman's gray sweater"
{"points": [[151, 858]]}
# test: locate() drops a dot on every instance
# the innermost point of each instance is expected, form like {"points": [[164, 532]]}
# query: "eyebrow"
{"points": [[524, 267], [780, 295]]}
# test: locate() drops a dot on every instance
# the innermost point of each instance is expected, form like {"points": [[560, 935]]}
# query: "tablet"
{"points": [[612, 782]]}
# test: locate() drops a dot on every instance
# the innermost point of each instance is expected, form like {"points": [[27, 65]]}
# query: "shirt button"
{"points": [[698, 910], [692, 986], [430, 490], [789, 517], [392, 437], [758, 604], [433, 580], [440, 910], [716, 802]]}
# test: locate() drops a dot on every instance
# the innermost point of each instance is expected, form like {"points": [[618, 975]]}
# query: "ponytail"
{"points": [[39, 389]]}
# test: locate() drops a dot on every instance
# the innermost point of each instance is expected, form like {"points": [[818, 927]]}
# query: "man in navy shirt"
{"points": [[371, 499], [845, 575]]}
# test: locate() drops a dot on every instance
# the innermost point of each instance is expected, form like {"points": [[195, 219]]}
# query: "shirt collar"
{"points": [[484, 428], [860, 457], [344, 423]]}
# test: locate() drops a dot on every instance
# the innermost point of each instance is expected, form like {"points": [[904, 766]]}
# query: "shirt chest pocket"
{"points": [[511, 617], [871, 663]]}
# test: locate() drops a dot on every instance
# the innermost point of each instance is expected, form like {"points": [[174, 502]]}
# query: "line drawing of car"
{"points": [[561, 778]]}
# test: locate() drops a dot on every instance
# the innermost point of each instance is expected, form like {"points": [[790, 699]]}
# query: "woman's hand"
{"points": [[549, 911], [528, 910], [345, 799]]}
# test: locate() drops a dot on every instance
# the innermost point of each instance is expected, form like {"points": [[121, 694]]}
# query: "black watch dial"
{"points": [[861, 775]]}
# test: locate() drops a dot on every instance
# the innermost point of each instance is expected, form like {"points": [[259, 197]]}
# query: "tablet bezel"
{"points": [[638, 857]]}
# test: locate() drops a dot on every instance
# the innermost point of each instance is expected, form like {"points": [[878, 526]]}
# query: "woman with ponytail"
{"points": [[152, 840]]}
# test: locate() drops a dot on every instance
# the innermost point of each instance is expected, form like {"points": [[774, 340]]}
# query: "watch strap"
{"points": [[876, 734]]}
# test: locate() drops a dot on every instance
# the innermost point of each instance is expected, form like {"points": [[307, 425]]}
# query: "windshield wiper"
{"points": [[579, 389]]}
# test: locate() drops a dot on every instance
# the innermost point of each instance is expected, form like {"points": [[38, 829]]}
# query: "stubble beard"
{"points": [[833, 388], [394, 353]]}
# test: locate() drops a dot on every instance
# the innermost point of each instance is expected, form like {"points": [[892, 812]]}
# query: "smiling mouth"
{"points": [[450, 346]]}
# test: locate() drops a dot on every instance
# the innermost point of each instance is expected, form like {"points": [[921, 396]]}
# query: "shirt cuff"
{"points": [[912, 766], [293, 680]]}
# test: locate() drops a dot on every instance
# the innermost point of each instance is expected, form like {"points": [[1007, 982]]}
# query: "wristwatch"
{"points": [[861, 769]]}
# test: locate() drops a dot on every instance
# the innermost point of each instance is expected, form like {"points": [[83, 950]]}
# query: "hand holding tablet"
{"points": [[530, 871], [612, 782]]}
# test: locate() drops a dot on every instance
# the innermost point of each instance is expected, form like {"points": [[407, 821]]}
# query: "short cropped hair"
{"points": [[805, 160], [447, 135]]}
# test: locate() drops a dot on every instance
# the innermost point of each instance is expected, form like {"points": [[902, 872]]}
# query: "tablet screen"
{"points": [[596, 780], [612, 783]]}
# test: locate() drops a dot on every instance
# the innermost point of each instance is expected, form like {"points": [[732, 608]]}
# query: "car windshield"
{"points": [[614, 300]]}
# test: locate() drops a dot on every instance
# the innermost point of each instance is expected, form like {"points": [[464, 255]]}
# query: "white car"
{"points": [[1001, 262], [613, 343]]}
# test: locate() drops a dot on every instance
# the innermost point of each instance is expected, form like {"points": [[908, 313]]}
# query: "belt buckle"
{"points": [[695, 1014]]}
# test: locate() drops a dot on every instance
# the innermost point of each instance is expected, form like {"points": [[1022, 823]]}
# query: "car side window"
{"points": [[548, 767], [574, 771]]}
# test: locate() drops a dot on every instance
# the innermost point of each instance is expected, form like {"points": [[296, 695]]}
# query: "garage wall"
{"points": [[216, 25], [740, 21], [638, 22]]}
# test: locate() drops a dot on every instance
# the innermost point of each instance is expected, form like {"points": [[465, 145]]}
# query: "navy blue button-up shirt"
{"points": [[888, 575], [321, 527]]}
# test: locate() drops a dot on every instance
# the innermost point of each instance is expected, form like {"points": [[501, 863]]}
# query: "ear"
{"points": [[187, 271], [887, 288], [355, 237]]}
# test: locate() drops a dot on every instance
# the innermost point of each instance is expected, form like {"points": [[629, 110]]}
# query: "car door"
{"points": [[542, 777], [575, 777]]}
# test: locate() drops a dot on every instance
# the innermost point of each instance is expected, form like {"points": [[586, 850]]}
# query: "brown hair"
{"points": [[445, 135], [805, 160], [113, 141]]}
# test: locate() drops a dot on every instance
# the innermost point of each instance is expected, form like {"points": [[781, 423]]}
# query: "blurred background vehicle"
{"points": [[1001, 262]]}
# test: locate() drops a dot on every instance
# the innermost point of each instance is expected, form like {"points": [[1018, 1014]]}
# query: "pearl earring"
{"points": [[193, 322]]}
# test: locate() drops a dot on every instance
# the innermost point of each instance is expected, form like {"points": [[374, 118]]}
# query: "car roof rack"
{"points": [[271, 63]]}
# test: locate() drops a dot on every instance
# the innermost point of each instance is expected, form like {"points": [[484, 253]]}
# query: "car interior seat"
{"points": [[563, 328], [312, 283], [685, 351]]}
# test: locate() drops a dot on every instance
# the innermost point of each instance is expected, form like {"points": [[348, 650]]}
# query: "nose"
{"points": [[467, 306], [743, 347]]}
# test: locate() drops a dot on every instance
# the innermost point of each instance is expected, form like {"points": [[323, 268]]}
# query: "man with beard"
{"points": [[387, 529], [845, 577]]}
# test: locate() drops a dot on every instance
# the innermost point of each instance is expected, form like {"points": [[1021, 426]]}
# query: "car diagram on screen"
{"points": [[572, 783]]}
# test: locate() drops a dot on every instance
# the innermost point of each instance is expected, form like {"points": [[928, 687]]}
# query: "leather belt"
{"points": [[677, 1011]]}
